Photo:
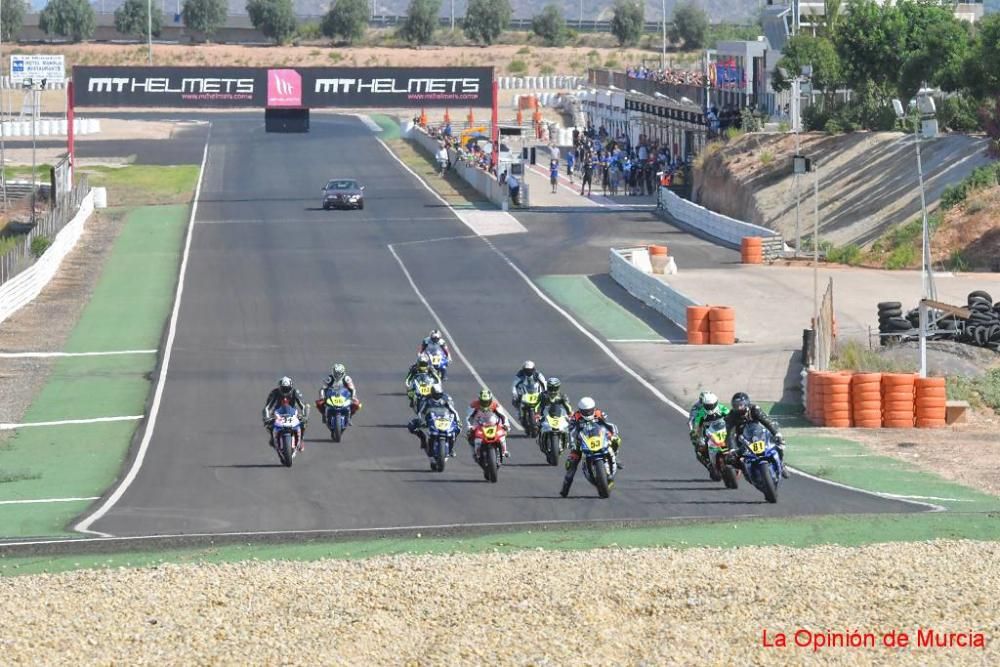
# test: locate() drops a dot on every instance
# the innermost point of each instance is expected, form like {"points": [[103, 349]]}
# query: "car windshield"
{"points": [[342, 185]]}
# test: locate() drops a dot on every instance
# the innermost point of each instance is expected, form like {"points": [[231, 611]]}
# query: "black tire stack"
{"points": [[891, 323], [983, 326]]}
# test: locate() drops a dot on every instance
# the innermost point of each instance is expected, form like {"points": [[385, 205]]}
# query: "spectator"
{"points": [[588, 174], [554, 174], [570, 163], [514, 187]]}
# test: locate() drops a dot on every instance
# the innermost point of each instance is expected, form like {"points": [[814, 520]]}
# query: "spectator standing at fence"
{"points": [[554, 174], [570, 164], [588, 174]]}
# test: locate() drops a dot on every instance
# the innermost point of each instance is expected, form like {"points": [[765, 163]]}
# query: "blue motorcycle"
{"points": [[761, 463], [337, 411], [286, 433], [599, 465], [441, 431], [439, 360]]}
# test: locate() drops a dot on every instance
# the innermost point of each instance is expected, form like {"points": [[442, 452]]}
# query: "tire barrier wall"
{"points": [[840, 399], [719, 228], [50, 127], [650, 290]]}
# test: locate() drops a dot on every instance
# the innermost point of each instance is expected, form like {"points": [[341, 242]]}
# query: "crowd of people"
{"points": [[666, 75], [471, 153], [621, 167]]}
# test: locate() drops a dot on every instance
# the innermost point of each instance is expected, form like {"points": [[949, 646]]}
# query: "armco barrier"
{"points": [[651, 291], [720, 228], [25, 286]]}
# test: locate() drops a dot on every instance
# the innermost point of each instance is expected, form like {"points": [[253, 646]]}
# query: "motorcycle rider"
{"points": [[586, 412], [435, 338], [337, 378], [437, 399], [284, 391], [706, 410], [421, 365], [553, 396], [743, 413], [485, 405], [527, 372]]}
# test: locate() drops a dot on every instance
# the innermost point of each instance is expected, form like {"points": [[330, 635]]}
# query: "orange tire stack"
{"points": [[837, 401], [931, 403], [722, 325], [697, 325], [812, 392], [866, 400], [897, 400], [820, 381], [752, 250]]}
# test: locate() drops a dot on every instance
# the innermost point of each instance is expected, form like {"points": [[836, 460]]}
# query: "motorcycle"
{"points": [[439, 360], [442, 429], [599, 466], [336, 410], [531, 394], [419, 388], [760, 460], [714, 441], [286, 431], [554, 433], [488, 438]]}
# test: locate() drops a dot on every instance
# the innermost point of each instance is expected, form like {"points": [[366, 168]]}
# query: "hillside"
{"points": [[868, 181]]}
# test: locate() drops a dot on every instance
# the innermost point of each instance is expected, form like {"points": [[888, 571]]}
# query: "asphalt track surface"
{"points": [[277, 286]]}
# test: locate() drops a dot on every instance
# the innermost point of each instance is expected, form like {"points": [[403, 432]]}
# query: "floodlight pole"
{"points": [[149, 29]]}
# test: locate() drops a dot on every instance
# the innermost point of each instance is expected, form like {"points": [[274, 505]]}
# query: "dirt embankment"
{"points": [[610, 606], [868, 180]]}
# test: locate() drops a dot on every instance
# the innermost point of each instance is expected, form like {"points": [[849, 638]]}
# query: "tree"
{"points": [[936, 46], [421, 21], [690, 25], [486, 19], [870, 40], [347, 19], [627, 21], [69, 18], [820, 53], [205, 16], [274, 18], [550, 25], [131, 18], [981, 70], [13, 18]]}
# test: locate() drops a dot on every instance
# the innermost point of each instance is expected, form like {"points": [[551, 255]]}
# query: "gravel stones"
{"points": [[609, 606]]}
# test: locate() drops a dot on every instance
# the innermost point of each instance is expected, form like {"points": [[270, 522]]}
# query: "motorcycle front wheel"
{"points": [[551, 449], [767, 481], [492, 465], [600, 471], [285, 449], [442, 454]]}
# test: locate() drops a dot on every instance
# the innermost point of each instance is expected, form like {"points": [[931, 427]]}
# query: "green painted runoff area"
{"points": [[128, 311], [599, 312]]}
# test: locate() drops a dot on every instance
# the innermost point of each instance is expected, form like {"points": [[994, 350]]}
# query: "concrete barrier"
{"points": [[653, 292], [719, 228]]}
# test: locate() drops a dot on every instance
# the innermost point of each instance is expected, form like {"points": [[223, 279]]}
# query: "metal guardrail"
{"points": [[19, 258]]}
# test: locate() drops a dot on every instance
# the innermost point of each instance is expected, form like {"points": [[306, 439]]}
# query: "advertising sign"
{"points": [[310, 87], [36, 66]]}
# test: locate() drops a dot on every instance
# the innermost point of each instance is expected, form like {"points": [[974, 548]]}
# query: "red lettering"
{"points": [[779, 640], [803, 638]]}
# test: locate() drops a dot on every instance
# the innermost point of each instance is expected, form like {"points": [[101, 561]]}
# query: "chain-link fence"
{"points": [[64, 207], [818, 354]]}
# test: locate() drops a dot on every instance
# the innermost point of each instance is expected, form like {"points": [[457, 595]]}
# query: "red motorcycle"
{"points": [[490, 440]]}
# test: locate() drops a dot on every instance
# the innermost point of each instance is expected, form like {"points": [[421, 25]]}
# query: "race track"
{"points": [[276, 286]]}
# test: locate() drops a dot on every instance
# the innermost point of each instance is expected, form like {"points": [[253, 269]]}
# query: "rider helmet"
{"points": [[437, 391], [435, 335], [741, 403], [709, 401], [423, 361], [338, 371], [587, 407], [552, 386], [285, 385], [485, 398], [529, 367]]}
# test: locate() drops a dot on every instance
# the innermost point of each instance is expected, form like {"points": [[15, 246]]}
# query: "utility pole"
{"points": [[149, 29], [3, 122], [453, 15], [815, 168], [663, 56]]}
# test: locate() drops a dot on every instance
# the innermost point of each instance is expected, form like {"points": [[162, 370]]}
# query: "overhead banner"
{"points": [[310, 87]]}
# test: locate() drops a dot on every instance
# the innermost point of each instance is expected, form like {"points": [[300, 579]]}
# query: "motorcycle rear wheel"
{"points": [[729, 477]]}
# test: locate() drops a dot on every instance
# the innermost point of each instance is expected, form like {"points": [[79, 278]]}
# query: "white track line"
{"points": [[621, 364], [68, 422], [335, 531], [444, 330], [47, 355], [46, 500], [661, 341], [84, 525]]}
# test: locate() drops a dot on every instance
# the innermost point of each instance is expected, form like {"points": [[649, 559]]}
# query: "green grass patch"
{"points": [[599, 312], [979, 392], [144, 185], [766, 158], [8, 476], [517, 66], [8, 243], [22, 172], [849, 254], [851, 355]]}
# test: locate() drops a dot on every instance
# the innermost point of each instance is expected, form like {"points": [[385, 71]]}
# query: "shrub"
{"points": [[850, 355], [766, 158], [784, 126], [733, 133], [901, 257], [524, 51], [627, 21], [274, 18], [421, 21], [849, 254], [39, 245], [546, 70], [956, 262], [517, 67], [347, 19], [308, 31], [611, 63], [69, 18], [131, 19], [205, 16]]}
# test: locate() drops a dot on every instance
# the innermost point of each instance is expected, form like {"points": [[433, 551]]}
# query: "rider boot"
{"points": [[781, 457], [503, 449], [571, 464]]}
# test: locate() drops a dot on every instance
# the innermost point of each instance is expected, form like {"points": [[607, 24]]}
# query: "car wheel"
{"points": [[325, 207], [361, 204]]}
